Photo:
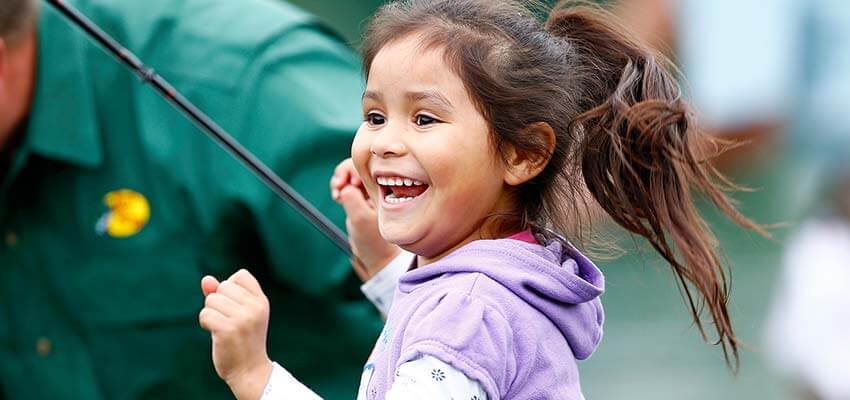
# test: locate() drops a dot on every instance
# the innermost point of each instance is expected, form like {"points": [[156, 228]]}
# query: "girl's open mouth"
{"points": [[398, 190]]}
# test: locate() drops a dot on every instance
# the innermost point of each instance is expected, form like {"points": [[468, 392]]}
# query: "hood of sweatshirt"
{"points": [[554, 278]]}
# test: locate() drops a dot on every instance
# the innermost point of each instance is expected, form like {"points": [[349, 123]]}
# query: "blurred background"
{"points": [[773, 76]]}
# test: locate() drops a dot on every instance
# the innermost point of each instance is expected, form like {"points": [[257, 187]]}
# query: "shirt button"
{"points": [[11, 239], [43, 347]]}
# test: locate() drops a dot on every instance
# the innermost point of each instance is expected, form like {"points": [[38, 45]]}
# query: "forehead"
{"points": [[408, 62]]}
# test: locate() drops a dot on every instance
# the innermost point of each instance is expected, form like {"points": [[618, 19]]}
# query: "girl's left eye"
{"points": [[423, 120]]}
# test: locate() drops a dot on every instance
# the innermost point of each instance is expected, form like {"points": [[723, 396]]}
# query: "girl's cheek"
{"points": [[361, 151], [359, 145]]}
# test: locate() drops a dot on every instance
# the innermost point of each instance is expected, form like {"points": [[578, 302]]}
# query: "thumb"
{"points": [[209, 285], [355, 204]]}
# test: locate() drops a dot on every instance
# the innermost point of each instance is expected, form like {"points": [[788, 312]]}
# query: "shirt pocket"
{"points": [[133, 289]]}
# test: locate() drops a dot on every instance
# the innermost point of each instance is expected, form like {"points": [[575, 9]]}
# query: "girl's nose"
{"points": [[388, 144]]}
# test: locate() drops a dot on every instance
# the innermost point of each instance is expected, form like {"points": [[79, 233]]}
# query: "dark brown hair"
{"points": [[15, 17], [625, 137]]}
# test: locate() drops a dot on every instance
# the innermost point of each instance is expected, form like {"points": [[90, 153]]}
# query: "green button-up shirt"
{"points": [[88, 314]]}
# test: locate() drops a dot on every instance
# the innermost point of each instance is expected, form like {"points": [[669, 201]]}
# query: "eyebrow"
{"points": [[372, 96], [432, 97]]}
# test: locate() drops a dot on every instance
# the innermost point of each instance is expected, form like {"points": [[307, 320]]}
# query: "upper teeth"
{"points": [[387, 181]]}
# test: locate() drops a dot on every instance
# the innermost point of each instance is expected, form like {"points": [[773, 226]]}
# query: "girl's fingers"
{"points": [[345, 174], [342, 173], [244, 279], [234, 292], [209, 285], [222, 304], [357, 207], [338, 182], [211, 319]]}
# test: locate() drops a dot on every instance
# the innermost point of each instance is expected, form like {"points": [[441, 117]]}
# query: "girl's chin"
{"points": [[397, 236], [403, 242]]}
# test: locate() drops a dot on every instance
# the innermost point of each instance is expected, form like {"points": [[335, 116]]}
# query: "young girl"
{"points": [[486, 135]]}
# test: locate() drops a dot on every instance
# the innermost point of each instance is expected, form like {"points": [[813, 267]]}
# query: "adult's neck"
{"points": [[20, 64]]}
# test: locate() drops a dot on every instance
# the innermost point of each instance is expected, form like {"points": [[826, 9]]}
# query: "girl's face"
{"points": [[425, 154]]}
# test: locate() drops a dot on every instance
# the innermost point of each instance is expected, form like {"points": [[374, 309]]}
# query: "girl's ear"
{"points": [[523, 165]]}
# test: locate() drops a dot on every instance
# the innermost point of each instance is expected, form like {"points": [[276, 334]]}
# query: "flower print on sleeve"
{"points": [[429, 378]]}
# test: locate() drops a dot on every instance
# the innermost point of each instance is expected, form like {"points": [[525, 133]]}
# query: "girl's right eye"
{"points": [[375, 119]]}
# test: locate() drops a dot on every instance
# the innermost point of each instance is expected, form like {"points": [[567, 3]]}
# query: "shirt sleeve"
{"points": [[380, 290], [282, 385], [429, 378]]}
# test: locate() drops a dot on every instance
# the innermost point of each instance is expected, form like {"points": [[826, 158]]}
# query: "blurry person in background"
{"points": [[113, 205], [808, 333]]}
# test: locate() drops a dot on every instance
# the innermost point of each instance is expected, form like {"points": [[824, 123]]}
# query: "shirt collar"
{"points": [[63, 120]]}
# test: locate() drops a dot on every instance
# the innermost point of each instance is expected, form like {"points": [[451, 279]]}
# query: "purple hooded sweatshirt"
{"points": [[515, 316]]}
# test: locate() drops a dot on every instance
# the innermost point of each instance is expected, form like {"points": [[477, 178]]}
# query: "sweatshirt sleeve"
{"points": [[467, 333]]}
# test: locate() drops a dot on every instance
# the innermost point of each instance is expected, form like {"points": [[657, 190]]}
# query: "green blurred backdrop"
{"points": [[650, 349], [347, 17]]}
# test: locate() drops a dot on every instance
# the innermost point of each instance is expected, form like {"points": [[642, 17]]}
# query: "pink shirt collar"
{"points": [[524, 236]]}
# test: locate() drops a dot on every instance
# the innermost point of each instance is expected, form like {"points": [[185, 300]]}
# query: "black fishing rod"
{"points": [[207, 125]]}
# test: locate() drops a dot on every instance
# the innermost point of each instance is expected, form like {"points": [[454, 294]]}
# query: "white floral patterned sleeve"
{"points": [[282, 385], [429, 378], [420, 379]]}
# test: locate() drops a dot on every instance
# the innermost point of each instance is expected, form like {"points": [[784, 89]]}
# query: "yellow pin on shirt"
{"points": [[128, 213]]}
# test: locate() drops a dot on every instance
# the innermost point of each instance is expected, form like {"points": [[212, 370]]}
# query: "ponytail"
{"points": [[637, 153]]}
